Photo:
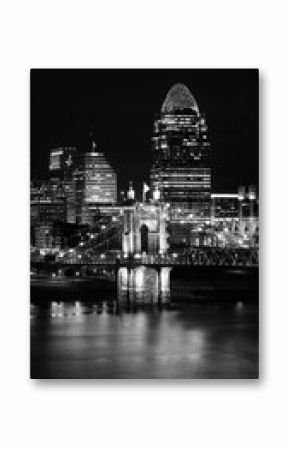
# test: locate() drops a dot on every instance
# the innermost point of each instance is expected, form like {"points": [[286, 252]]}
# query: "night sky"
{"points": [[119, 107]]}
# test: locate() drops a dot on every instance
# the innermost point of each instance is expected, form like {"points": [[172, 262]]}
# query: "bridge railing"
{"points": [[198, 256]]}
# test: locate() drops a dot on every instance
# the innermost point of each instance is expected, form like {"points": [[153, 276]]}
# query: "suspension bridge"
{"points": [[122, 242]]}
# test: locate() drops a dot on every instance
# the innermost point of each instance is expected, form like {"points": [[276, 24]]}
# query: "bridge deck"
{"points": [[154, 263]]}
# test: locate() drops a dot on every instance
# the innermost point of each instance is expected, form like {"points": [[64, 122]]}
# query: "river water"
{"points": [[208, 330]]}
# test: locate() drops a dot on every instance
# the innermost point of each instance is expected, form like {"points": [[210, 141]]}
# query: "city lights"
{"points": [[179, 214], [154, 274]]}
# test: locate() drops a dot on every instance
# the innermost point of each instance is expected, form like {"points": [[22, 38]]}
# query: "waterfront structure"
{"points": [[181, 155], [141, 284], [233, 222], [144, 226], [234, 218]]}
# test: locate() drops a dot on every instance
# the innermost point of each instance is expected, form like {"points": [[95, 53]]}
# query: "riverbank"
{"points": [[188, 284]]}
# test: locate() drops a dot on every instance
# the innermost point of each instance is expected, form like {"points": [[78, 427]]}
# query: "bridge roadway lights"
{"points": [[239, 257]]}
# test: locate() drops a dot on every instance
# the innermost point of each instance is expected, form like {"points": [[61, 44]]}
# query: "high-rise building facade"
{"points": [[181, 154], [47, 202], [87, 181], [224, 205], [95, 184], [62, 162]]}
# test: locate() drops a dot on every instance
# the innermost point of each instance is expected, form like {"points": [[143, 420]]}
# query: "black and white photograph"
{"points": [[144, 223]]}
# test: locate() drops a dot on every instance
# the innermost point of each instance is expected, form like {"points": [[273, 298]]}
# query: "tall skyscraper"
{"points": [[47, 202], [62, 162], [95, 184], [181, 154]]}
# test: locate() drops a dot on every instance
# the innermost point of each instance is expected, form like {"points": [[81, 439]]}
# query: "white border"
{"points": [[220, 414]]}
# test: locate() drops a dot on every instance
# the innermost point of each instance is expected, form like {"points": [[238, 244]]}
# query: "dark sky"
{"points": [[119, 106]]}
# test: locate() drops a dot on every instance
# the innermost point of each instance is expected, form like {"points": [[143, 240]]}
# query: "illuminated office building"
{"points": [[62, 162], [47, 202], [224, 205], [48, 208], [234, 218], [95, 184], [181, 150], [240, 205]]}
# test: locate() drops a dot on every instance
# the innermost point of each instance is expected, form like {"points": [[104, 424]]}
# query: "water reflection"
{"points": [[108, 340], [143, 285], [208, 329]]}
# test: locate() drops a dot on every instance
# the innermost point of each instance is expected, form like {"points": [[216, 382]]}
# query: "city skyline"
{"points": [[103, 265], [82, 101]]}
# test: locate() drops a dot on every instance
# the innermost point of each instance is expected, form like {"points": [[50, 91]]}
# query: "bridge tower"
{"points": [[144, 220], [129, 236], [143, 285]]}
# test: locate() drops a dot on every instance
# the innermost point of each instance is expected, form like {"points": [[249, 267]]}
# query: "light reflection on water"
{"points": [[132, 330], [104, 340]]}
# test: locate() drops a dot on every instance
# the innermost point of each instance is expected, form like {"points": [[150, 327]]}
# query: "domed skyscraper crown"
{"points": [[179, 97]]}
